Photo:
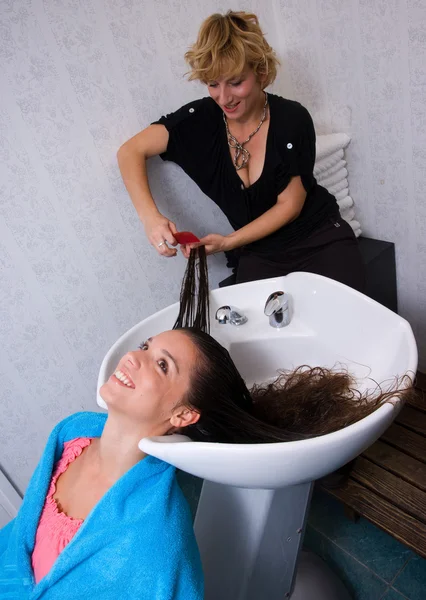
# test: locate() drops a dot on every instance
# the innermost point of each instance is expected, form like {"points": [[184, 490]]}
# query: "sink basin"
{"points": [[332, 325]]}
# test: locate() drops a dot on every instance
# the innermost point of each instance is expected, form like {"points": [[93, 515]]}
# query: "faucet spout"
{"points": [[277, 309]]}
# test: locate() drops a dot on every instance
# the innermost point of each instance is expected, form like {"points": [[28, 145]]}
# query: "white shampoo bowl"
{"points": [[332, 325], [252, 510]]}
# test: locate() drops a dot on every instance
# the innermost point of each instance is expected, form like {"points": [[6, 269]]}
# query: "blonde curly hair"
{"points": [[227, 44]]}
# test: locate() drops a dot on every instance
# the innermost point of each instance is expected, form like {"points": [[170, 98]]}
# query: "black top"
{"points": [[198, 144]]}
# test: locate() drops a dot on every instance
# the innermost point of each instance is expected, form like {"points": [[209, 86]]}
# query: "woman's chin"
{"points": [[108, 395]]}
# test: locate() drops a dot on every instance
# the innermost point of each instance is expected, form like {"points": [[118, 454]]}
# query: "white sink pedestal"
{"points": [[250, 542]]}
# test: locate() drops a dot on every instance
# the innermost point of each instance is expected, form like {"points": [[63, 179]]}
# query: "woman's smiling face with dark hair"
{"points": [[150, 383]]}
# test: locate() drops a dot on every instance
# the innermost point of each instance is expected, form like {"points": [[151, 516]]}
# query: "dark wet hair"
{"points": [[299, 404], [194, 305]]}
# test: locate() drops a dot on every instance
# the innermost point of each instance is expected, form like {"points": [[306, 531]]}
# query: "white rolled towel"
{"points": [[326, 145], [341, 164], [345, 203], [331, 180], [348, 214], [338, 187], [342, 194], [328, 162], [356, 227]]}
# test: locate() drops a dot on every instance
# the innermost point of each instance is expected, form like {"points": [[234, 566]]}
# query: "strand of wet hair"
{"points": [[194, 303]]}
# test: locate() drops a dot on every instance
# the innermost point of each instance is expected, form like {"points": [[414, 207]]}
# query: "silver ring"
{"points": [[160, 244]]}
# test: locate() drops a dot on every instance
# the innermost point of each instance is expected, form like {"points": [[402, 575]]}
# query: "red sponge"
{"points": [[185, 237]]}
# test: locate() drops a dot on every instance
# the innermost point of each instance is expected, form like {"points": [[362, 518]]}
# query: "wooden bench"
{"points": [[387, 484]]}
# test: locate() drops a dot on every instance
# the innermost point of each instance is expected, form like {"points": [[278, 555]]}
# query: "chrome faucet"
{"points": [[277, 309], [230, 314]]}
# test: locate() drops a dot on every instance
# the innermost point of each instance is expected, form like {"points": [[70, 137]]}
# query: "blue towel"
{"points": [[137, 542]]}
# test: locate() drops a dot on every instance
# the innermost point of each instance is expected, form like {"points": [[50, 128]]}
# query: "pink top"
{"points": [[55, 529]]}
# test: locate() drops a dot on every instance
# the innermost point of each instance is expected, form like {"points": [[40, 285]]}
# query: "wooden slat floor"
{"points": [[387, 484]]}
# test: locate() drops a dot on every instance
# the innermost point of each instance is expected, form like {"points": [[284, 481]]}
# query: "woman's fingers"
{"points": [[186, 250], [163, 237], [169, 230], [165, 250], [213, 243], [173, 229], [160, 234]]}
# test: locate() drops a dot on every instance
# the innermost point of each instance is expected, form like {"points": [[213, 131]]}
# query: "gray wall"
{"points": [[78, 77]]}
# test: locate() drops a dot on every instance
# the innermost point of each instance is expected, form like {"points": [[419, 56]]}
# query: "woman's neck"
{"points": [[116, 451]]}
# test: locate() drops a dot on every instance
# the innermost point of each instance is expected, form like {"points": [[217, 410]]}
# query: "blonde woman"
{"points": [[253, 154]]}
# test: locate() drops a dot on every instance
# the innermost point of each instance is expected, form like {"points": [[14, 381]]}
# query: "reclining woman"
{"points": [[101, 519]]}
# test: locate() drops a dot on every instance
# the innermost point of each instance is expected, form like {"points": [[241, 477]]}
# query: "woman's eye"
{"points": [[163, 365], [143, 346], [213, 85], [236, 83]]}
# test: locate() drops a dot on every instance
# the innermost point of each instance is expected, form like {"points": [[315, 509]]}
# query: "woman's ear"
{"points": [[183, 417]]}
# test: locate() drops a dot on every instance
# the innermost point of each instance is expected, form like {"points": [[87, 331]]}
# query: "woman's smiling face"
{"points": [[237, 96], [151, 381]]}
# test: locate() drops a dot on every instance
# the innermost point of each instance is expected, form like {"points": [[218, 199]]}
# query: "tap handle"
{"points": [[230, 314], [222, 314], [276, 301]]}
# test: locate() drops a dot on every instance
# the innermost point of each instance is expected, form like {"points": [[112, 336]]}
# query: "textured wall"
{"points": [[78, 77], [360, 66]]}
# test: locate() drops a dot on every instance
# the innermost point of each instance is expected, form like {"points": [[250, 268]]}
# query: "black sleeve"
{"points": [[298, 151], [182, 126]]}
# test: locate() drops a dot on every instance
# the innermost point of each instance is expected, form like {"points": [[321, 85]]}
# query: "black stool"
{"points": [[379, 261]]}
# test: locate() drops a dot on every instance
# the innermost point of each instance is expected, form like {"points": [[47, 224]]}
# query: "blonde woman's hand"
{"points": [[160, 232], [213, 243]]}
